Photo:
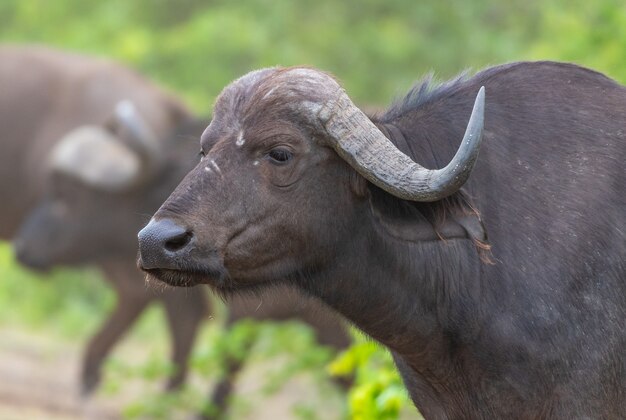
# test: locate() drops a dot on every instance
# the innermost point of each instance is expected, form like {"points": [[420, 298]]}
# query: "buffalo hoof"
{"points": [[90, 382], [174, 383]]}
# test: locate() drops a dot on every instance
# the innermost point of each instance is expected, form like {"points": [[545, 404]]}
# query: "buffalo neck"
{"points": [[404, 294], [420, 300]]}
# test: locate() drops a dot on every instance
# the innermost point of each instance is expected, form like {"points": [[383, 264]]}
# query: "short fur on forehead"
{"points": [[277, 86]]}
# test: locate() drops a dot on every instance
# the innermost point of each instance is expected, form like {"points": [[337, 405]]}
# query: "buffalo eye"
{"points": [[280, 156]]}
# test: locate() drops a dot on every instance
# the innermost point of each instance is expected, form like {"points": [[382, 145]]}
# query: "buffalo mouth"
{"points": [[188, 276], [169, 252], [39, 265]]}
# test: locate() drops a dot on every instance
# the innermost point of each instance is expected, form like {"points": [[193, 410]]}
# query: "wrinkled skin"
{"points": [[532, 329], [245, 198]]}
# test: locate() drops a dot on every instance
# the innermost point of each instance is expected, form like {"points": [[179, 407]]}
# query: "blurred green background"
{"points": [[378, 49]]}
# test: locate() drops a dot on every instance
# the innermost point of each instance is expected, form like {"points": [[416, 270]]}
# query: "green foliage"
{"points": [[293, 342], [592, 34], [376, 48], [378, 392]]}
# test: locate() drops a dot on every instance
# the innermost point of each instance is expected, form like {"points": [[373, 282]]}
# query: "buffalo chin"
{"points": [[184, 278]]}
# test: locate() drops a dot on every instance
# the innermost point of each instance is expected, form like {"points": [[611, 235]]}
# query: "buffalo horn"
{"points": [[139, 138], [96, 157], [357, 140]]}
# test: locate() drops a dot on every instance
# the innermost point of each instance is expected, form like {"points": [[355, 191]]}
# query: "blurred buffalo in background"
{"points": [[95, 148], [75, 178]]}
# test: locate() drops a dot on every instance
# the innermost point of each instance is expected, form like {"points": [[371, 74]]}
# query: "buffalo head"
{"points": [[281, 186], [94, 194]]}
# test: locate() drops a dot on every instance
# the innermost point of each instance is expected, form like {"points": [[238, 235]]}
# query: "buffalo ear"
{"points": [[450, 218], [399, 219], [475, 230]]}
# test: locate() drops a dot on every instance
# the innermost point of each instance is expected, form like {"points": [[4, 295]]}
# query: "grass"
{"points": [[68, 305]]}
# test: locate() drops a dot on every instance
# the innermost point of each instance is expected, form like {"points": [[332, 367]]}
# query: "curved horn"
{"points": [[96, 157], [357, 140], [140, 138]]}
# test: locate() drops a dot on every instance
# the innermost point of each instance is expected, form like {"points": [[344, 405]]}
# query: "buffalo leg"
{"points": [[185, 311], [119, 322], [218, 401], [219, 397]]}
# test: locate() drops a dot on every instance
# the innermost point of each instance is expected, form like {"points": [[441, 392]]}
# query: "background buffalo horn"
{"points": [[139, 138], [357, 140]]}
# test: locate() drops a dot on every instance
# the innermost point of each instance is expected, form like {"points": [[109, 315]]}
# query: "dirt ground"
{"points": [[38, 380]]}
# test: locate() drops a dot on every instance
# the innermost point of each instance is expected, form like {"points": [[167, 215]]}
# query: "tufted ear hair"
{"points": [[451, 218]]}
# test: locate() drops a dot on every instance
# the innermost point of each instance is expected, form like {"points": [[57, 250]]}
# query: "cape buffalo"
{"points": [[500, 295], [96, 149]]}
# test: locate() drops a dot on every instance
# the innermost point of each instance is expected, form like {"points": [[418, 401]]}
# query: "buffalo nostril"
{"points": [[178, 242], [162, 242]]}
